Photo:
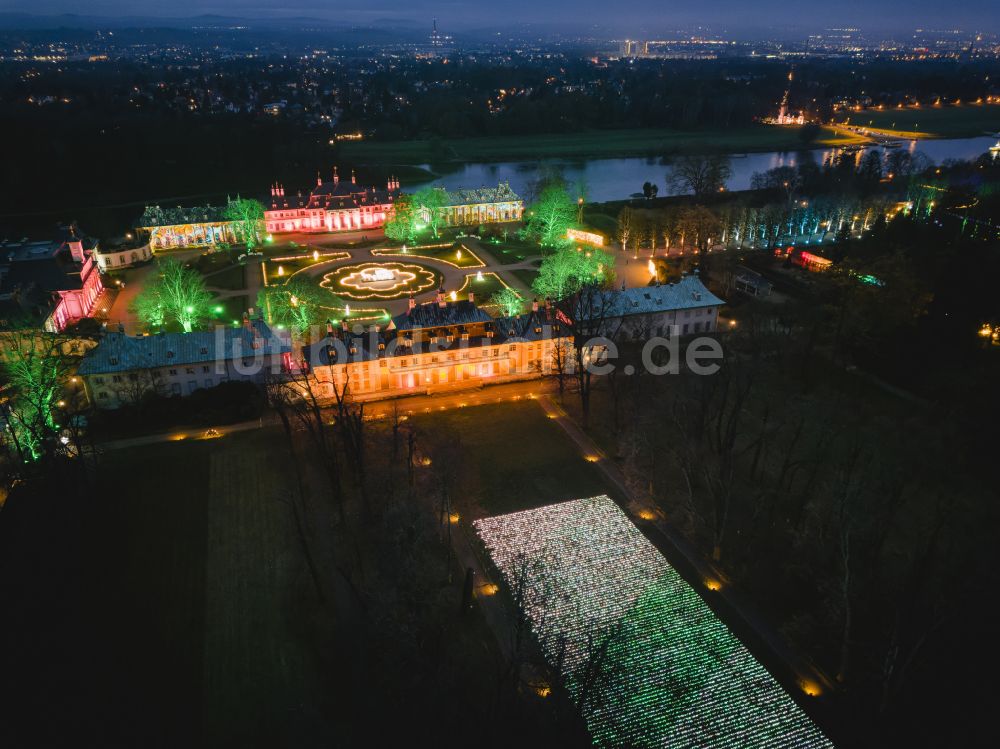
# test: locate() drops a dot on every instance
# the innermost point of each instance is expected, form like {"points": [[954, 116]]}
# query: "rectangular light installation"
{"points": [[644, 658]]}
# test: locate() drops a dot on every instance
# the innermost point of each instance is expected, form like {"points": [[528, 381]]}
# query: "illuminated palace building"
{"points": [[484, 205], [55, 281], [438, 344], [339, 205]]}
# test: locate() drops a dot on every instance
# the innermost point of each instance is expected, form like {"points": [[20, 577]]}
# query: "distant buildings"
{"points": [[124, 369], [338, 205], [53, 282]]}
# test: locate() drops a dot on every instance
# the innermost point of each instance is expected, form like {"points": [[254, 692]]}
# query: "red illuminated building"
{"points": [[339, 205]]}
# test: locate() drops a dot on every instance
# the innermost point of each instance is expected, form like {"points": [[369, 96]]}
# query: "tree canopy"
{"points": [[551, 215], [178, 295], [247, 216], [508, 301], [567, 269], [297, 304]]}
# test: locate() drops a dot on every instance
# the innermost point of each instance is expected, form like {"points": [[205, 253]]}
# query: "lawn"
{"points": [[519, 458], [168, 609], [594, 144], [449, 254], [484, 289], [231, 278], [525, 276], [945, 122]]}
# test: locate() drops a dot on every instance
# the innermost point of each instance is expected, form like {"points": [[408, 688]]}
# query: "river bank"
{"points": [[586, 145]]}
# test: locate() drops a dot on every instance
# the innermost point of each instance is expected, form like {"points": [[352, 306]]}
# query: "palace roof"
{"points": [[440, 315], [154, 215], [341, 346], [474, 196], [338, 195], [688, 293], [118, 352]]}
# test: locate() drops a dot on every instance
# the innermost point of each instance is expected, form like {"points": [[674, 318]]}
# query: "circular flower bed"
{"points": [[389, 280]]}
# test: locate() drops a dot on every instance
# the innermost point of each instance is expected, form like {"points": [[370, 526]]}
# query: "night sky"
{"points": [[636, 15]]}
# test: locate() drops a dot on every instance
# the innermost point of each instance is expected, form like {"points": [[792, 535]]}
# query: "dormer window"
{"points": [[113, 360], [538, 329], [170, 354], [381, 346], [204, 350]]}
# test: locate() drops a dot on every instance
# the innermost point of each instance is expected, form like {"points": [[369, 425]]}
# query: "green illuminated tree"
{"points": [[247, 217], [567, 269], [508, 301], [298, 304], [402, 225], [34, 367], [551, 216], [178, 294], [429, 203]]}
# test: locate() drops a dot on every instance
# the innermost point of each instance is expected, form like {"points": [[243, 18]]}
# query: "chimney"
{"points": [[336, 177], [413, 303], [354, 178], [534, 305], [319, 180], [274, 190], [440, 298], [472, 297]]}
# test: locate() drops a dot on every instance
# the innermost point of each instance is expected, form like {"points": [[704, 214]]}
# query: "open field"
{"points": [[197, 607], [519, 458], [962, 121], [603, 144]]}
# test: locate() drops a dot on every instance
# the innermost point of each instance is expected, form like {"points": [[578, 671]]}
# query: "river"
{"points": [[617, 179]]}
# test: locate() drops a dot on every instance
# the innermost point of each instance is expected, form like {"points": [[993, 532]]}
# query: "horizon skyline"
{"points": [[729, 16]]}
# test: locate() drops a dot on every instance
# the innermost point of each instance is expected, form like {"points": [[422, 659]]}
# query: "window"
{"points": [[176, 388], [697, 327], [116, 378], [205, 370], [102, 396], [113, 360], [99, 380], [686, 326], [173, 371], [512, 347], [189, 370]]}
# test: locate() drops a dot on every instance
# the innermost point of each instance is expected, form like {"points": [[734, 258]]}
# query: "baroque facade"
{"points": [[338, 205]]}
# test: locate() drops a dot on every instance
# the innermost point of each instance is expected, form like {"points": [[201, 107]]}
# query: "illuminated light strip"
{"points": [[601, 599], [339, 255]]}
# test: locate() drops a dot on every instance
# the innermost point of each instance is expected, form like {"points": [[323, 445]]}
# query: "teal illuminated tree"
{"points": [[567, 269], [429, 205], [178, 295], [507, 301], [402, 225], [247, 217], [298, 305], [551, 215]]}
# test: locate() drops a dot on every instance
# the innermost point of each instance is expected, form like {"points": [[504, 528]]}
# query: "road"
{"points": [[408, 406]]}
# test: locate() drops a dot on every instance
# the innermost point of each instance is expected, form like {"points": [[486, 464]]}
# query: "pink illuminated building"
{"points": [[338, 205], [58, 277]]}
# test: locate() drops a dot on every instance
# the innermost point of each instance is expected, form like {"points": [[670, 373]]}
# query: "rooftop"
{"points": [[118, 352]]}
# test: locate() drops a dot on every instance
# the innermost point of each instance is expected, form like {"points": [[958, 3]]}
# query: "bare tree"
{"points": [[698, 174]]}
